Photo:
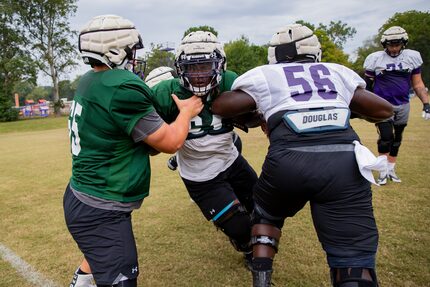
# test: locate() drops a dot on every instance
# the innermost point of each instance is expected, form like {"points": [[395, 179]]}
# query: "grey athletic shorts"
{"points": [[105, 237]]}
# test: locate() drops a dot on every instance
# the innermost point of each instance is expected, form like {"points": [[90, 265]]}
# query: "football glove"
{"points": [[426, 111]]}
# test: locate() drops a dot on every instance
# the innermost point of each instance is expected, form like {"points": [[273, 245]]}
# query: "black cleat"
{"points": [[172, 163], [261, 278]]}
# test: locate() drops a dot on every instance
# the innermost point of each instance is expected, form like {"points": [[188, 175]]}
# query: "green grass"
{"points": [[34, 124], [177, 246]]}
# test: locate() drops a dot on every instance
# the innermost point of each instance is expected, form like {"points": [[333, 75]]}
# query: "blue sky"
{"points": [[161, 21]]}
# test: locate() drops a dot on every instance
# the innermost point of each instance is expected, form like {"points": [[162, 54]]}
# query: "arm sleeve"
{"points": [[146, 126]]}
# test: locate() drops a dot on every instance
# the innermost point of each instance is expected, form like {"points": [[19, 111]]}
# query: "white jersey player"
{"points": [[313, 155]]}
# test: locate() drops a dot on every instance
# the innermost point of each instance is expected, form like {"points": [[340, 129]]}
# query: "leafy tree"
{"points": [[48, 35], [338, 32], [23, 89], [66, 90], [201, 28], [330, 51], [371, 45], [158, 57], [38, 93], [243, 56], [15, 65]]}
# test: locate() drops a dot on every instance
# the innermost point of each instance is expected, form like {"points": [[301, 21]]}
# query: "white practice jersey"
{"points": [[202, 159], [294, 86], [392, 75], [379, 62]]}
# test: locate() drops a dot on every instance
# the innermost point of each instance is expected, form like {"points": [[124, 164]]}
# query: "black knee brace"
{"points": [[236, 224], [259, 216], [398, 136], [352, 277], [386, 136]]}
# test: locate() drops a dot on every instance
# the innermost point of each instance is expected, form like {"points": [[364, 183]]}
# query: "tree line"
{"points": [[35, 36]]}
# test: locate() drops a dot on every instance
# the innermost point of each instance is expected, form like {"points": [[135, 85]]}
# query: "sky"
{"points": [[164, 21]]}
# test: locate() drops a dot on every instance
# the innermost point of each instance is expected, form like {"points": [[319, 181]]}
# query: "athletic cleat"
{"points": [[393, 176], [172, 163], [382, 180], [83, 280], [262, 278], [247, 260]]}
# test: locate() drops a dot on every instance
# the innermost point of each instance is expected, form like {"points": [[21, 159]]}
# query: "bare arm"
{"points": [[233, 103], [369, 106], [420, 88], [170, 138]]}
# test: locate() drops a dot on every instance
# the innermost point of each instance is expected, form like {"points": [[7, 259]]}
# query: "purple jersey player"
{"points": [[391, 74]]}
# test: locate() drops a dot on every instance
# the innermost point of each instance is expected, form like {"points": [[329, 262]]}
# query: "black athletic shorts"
{"points": [[340, 199], [216, 195], [105, 238]]}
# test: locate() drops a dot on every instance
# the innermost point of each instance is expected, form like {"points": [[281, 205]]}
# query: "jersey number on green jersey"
{"points": [[75, 110], [197, 127]]}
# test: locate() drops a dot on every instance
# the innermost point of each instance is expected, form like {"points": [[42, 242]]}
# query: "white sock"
{"points": [[391, 165]]}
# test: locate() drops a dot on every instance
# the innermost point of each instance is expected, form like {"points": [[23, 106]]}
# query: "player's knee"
{"points": [[266, 229], [236, 224], [353, 277], [260, 216]]}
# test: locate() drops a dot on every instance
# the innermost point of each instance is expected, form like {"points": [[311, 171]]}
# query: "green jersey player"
{"points": [[113, 128], [217, 177]]}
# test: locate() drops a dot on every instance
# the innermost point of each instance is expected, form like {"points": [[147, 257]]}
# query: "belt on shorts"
{"points": [[324, 148]]}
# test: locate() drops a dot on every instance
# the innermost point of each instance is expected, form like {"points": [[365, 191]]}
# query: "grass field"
{"points": [[177, 247]]}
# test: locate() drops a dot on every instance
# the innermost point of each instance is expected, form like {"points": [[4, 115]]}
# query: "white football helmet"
{"points": [[111, 40], [200, 61], [294, 43], [394, 34], [159, 74]]}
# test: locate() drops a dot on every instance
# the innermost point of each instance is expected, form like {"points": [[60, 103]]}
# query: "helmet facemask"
{"points": [[200, 61], [200, 73]]}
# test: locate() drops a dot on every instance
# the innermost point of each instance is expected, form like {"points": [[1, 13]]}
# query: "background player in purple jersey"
{"points": [[391, 74], [314, 155]]}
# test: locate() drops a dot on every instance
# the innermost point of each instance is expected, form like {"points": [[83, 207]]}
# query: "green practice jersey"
{"points": [[201, 125], [106, 162]]}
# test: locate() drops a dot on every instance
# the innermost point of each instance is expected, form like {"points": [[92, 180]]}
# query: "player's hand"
{"points": [[193, 105], [426, 111]]}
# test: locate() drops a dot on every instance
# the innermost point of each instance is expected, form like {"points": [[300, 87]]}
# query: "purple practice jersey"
{"points": [[392, 75]]}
